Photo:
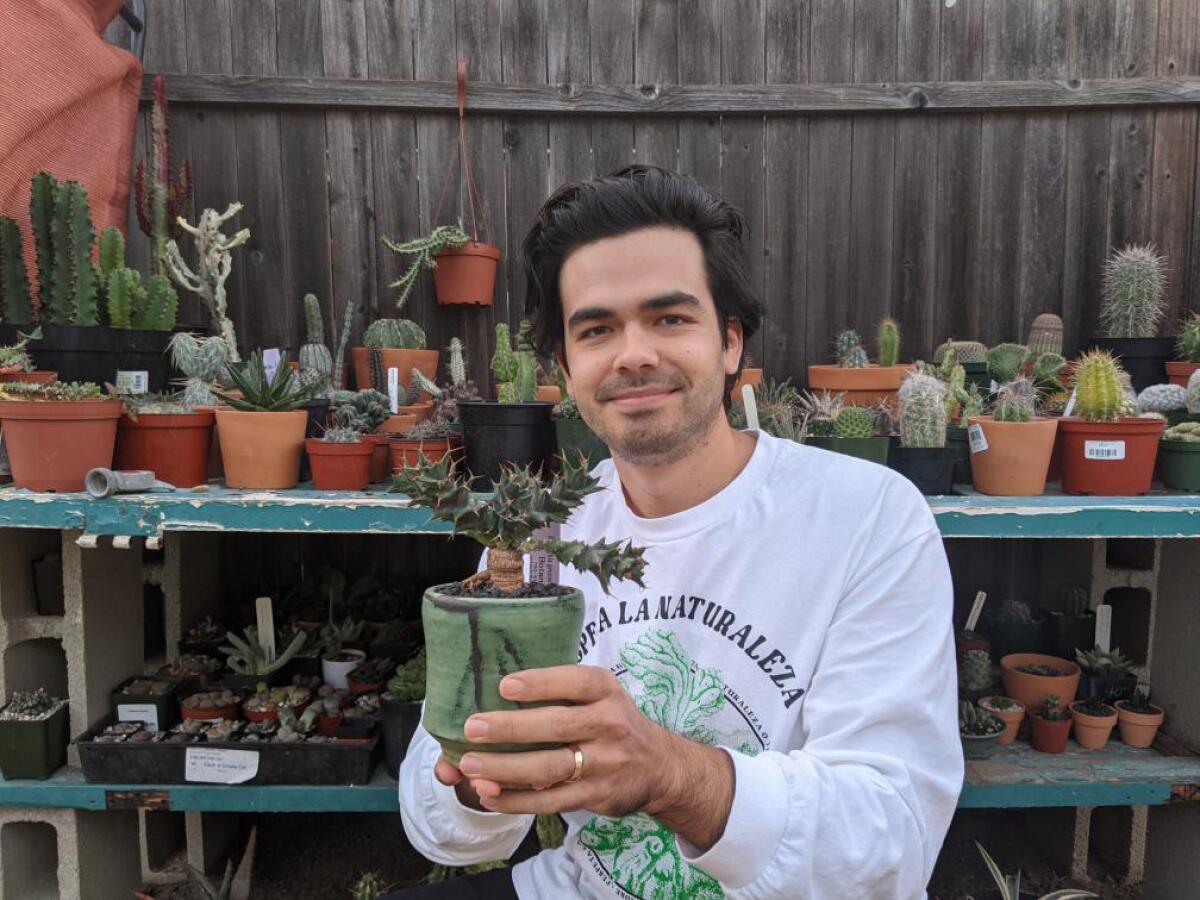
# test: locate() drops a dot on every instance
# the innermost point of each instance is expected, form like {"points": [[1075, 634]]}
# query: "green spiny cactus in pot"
{"points": [[316, 362], [1134, 283], [975, 671], [202, 360], [1016, 401], [514, 366], [888, 340], [364, 411], [1188, 342], [922, 411], [854, 422], [16, 304], [394, 334], [1098, 391], [850, 352]]}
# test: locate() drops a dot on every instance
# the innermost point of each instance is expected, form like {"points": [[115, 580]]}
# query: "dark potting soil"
{"points": [[529, 590]]}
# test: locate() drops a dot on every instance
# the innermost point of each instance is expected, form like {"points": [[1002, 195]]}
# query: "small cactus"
{"points": [[976, 721], [1188, 432], [1193, 393], [124, 291], [1045, 335], [1005, 361], [394, 334], [1016, 401], [889, 342], [1098, 392], [1134, 282], [342, 340], [424, 384], [1188, 343], [922, 411], [316, 362], [854, 422], [202, 360], [112, 252], [214, 261], [1161, 398], [71, 298], [850, 352], [455, 366], [975, 671], [1052, 709], [342, 434], [515, 370]]}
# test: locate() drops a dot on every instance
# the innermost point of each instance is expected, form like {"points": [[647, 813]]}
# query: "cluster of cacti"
{"points": [[423, 250], [1134, 282], [514, 366], [966, 351], [342, 434], [850, 352], [159, 199], [394, 334], [1016, 401], [15, 357], [975, 670], [202, 360], [1005, 361], [1188, 432], [54, 390], [29, 706], [976, 721], [1188, 343], [316, 362], [1047, 373], [130, 304], [1099, 396], [854, 422], [213, 265], [1161, 398], [15, 305], [888, 341], [247, 655], [819, 412], [1107, 663], [922, 411], [1045, 335], [1052, 708]]}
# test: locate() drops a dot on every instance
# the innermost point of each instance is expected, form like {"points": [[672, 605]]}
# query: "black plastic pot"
{"points": [[575, 437], [977, 374], [960, 448], [1143, 358], [96, 354], [931, 469], [166, 706], [400, 721], [1013, 637], [521, 434], [1063, 634], [318, 418], [1105, 687], [34, 749]]}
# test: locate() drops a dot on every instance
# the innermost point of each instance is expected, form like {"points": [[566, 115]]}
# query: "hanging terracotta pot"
{"points": [[53, 443], [1179, 372], [174, 447], [466, 274], [1108, 459], [261, 450], [862, 387], [339, 467], [404, 361], [1010, 459]]}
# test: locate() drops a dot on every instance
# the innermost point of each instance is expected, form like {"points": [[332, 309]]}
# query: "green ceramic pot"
{"points": [[872, 449], [473, 642], [574, 436], [1179, 464]]}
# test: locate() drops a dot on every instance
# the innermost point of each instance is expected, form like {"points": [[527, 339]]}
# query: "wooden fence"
{"points": [[959, 164]]}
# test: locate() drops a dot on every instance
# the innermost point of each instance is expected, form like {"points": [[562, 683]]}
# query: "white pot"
{"points": [[334, 673]]}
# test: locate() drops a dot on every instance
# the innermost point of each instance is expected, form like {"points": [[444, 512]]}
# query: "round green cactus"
{"points": [[1099, 396], [854, 422]]}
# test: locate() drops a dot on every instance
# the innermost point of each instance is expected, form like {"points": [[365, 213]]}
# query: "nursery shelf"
{"points": [[217, 508]]}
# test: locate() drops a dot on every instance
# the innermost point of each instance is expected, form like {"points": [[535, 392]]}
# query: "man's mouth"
{"points": [[641, 397]]}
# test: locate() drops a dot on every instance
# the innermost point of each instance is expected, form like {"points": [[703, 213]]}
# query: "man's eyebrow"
{"points": [[675, 298]]}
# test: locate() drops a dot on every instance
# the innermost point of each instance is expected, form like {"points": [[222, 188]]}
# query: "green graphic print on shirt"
{"points": [[636, 852]]}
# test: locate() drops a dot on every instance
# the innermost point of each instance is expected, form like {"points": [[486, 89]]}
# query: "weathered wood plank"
{"points": [[568, 58], [611, 33], [656, 61], [700, 139]]}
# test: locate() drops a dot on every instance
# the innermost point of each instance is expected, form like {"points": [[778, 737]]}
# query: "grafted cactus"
{"points": [[202, 360], [1005, 361], [1099, 396], [1134, 281], [1161, 398], [922, 411], [213, 264], [850, 352], [316, 362], [15, 301]]}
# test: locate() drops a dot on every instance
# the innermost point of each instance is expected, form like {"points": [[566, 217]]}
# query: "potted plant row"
{"points": [[864, 383]]}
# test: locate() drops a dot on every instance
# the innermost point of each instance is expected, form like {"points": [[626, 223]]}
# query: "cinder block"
{"points": [[210, 837], [1172, 863], [191, 582], [20, 548], [68, 854], [160, 835]]}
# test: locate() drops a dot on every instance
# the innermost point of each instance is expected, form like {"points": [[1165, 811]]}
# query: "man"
{"points": [[774, 715]]}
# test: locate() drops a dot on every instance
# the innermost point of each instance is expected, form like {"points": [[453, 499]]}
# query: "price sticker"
{"points": [[977, 439], [146, 713], [1107, 450]]}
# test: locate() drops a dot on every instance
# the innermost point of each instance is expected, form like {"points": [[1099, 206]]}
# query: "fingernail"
{"points": [[470, 765], [487, 802], [512, 687], [476, 728]]}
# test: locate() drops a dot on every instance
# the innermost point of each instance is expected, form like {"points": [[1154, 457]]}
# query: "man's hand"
{"points": [[630, 763]]}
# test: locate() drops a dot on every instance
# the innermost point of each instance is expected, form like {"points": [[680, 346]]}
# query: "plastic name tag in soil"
{"points": [[977, 438]]}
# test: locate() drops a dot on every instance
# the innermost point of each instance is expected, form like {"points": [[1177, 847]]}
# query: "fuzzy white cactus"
{"points": [[1161, 398]]}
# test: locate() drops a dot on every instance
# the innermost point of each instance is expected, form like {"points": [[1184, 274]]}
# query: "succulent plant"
{"points": [[854, 422], [1188, 432], [29, 706], [1010, 885], [1161, 398], [368, 887], [15, 301], [1108, 663], [976, 721], [850, 352], [922, 411], [160, 198], [1045, 335], [504, 522], [778, 405], [819, 411], [15, 357], [214, 262], [315, 358], [514, 366], [1099, 396], [341, 434], [1005, 361], [1055, 404], [975, 670], [1041, 670], [247, 655], [156, 405], [203, 361], [336, 635], [1006, 704], [280, 393], [429, 430], [1047, 373], [422, 250], [1015, 401], [54, 391], [63, 236], [1052, 709], [419, 383], [408, 684], [1141, 703], [1134, 281], [394, 334], [364, 411], [1188, 343], [888, 341]]}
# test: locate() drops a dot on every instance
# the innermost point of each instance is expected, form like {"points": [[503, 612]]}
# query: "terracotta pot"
{"points": [[1179, 372], [38, 376], [362, 687], [328, 725], [53, 443], [381, 457], [1109, 459], [403, 360], [466, 274], [1047, 736], [1091, 732], [420, 412], [549, 393], [339, 467], [397, 424], [221, 712], [409, 452], [1011, 459], [1012, 718], [751, 377], [174, 447], [1138, 729], [1032, 690], [261, 450], [862, 387]]}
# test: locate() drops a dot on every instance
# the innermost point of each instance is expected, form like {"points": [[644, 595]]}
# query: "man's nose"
{"points": [[637, 350]]}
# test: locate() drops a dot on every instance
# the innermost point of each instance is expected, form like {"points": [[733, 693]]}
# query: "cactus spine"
{"points": [[342, 340], [456, 365], [316, 362], [889, 342], [854, 422], [1099, 396], [1134, 281], [14, 279], [922, 411]]}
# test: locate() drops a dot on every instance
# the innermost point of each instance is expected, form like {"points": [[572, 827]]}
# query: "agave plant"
{"points": [[280, 393], [247, 655], [1010, 885]]}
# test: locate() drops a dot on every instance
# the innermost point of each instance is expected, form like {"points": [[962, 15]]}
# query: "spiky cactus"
{"points": [[124, 291], [888, 341], [1161, 398], [1005, 361], [202, 360], [342, 340], [975, 670], [69, 292], [159, 199], [1052, 709], [364, 410], [1188, 343], [514, 368], [456, 367], [1016, 401], [1098, 393], [854, 422], [1134, 281], [394, 334], [966, 351], [160, 308], [42, 193], [850, 352], [1193, 393], [214, 262], [112, 252], [424, 384], [342, 434], [922, 411], [422, 250], [15, 301], [1047, 373], [316, 362], [976, 721], [1045, 335], [972, 406], [505, 520]]}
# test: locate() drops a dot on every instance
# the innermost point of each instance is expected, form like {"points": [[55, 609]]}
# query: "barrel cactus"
{"points": [[1045, 335], [1162, 398], [1188, 343], [922, 411], [966, 351], [854, 422], [394, 334], [1099, 396], [1134, 281], [889, 342]]}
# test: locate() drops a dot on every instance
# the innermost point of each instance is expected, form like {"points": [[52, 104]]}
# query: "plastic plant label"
{"points": [[1070, 407], [270, 360], [995, 388], [976, 438], [133, 381], [1109, 450], [139, 712], [215, 766], [543, 566], [393, 390]]}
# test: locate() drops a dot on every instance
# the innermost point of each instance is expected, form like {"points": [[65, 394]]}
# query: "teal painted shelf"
{"points": [[217, 508], [1016, 777]]}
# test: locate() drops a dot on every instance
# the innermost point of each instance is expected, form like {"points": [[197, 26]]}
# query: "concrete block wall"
{"points": [[68, 854]]}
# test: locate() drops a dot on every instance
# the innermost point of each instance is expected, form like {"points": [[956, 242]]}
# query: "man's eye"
{"points": [[594, 331], [672, 320]]}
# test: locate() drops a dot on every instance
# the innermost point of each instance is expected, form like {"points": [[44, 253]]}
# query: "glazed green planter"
{"points": [[34, 749], [872, 449], [473, 642], [574, 436], [1179, 465]]}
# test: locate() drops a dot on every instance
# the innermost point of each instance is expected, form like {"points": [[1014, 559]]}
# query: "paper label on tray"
{"points": [[215, 766], [139, 712], [977, 439], [1103, 449]]}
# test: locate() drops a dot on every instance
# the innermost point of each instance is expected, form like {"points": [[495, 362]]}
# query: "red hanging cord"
{"points": [[462, 157]]}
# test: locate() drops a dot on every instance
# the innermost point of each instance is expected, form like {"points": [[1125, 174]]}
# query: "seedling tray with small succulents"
{"points": [[135, 756], [148, 698]]}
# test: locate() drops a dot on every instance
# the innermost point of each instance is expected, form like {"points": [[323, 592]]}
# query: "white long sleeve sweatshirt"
{"points": [[801, 620]]}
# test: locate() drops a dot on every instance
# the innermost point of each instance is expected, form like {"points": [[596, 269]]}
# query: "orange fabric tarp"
{"points": [[68, 107]]}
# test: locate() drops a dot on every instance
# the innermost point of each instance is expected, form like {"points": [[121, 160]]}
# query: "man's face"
{"points": [[643, 345]]}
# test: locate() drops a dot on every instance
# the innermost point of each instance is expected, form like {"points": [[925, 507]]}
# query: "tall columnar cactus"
{"points": [[1099, 396], [1134, 281], [850, 352], [1045, 335], [456, 366], [854, 422], [420, 383], [1193, 393], [1016, 401], [342, 340], [42, 195], [1004, 361], [112, 252], [922, 411], [160, 307], [72, 298], [889, 342], [1189, 340], [394, 334], [316, 362], [202, 360], [159, 199], [213, 264], [515, 369], [14, 279], [124, 291]]}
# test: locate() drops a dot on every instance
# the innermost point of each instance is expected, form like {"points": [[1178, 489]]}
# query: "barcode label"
{"points": [[1103, 449], [977, 439]]}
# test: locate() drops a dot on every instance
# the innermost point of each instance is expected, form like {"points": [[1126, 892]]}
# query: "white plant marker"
{"points": [[976, 610], [393, 380], [751, 406], [266, 624], [1104, 627], [270, 359]]}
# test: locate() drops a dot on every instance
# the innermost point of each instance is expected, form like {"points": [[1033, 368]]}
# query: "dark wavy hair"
{"points": [[632, 198]]}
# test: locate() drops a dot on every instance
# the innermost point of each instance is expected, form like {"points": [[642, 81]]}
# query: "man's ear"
{"points": [[734, 345]]}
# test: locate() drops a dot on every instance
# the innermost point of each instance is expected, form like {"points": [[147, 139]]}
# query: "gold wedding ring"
{"points": [[578, 772]]}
